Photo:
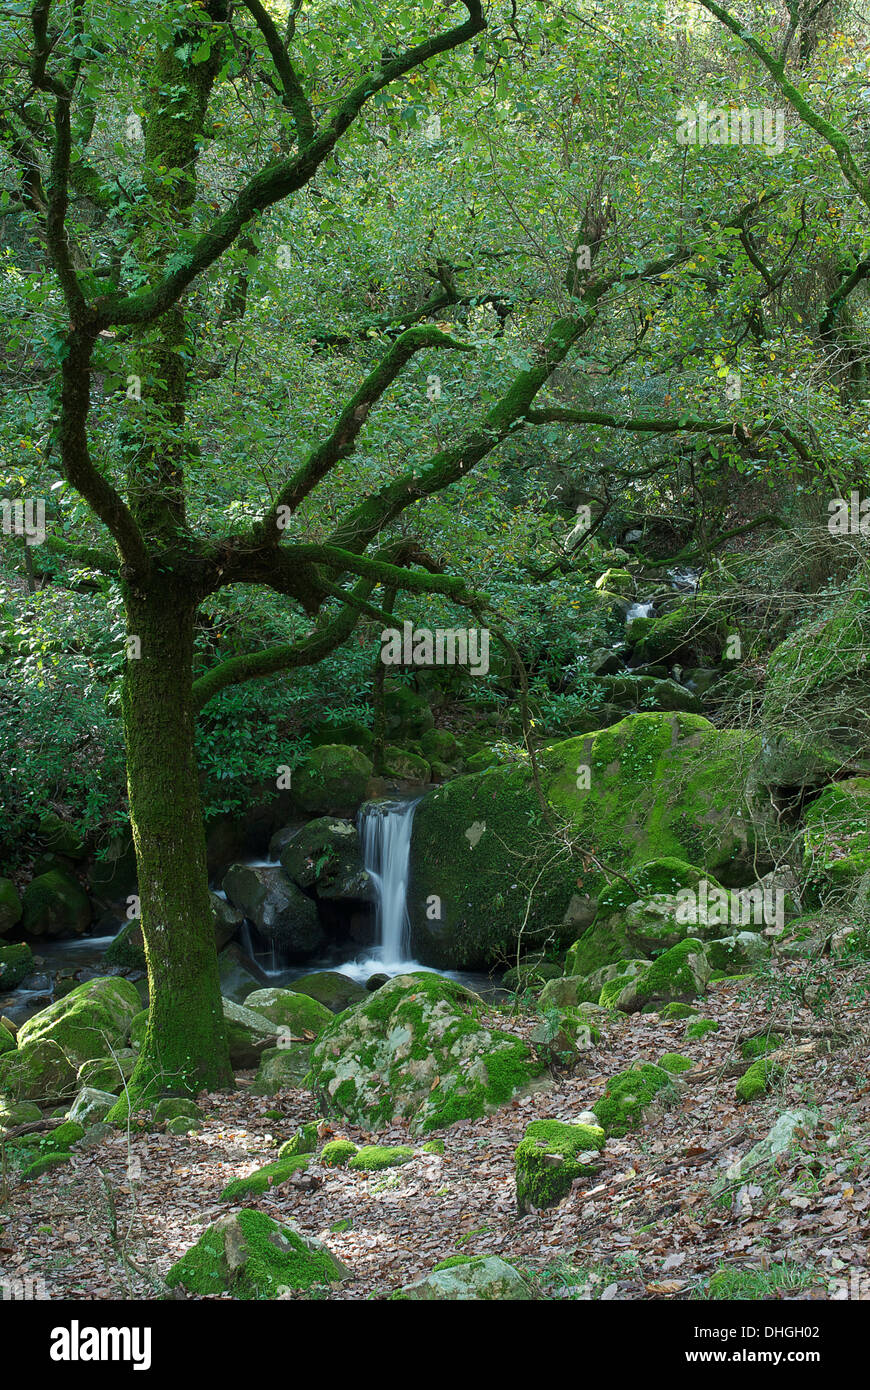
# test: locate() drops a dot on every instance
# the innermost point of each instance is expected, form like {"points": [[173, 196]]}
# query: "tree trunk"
{"points": [[185, 1047]]}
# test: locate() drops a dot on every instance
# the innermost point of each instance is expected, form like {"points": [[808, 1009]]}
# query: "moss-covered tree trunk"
{"points": [[185, 1046]]}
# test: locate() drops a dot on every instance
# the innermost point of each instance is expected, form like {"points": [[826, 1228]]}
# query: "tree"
{"points": [[129, 284]]}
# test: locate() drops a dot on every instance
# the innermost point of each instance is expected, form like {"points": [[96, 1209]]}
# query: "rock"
{"points": [[10, 906], [675, 1062], [60, 837], [736, 955], [108, 1073], [325, 856], [661, 921], [54, 1043], [531, 973], [439, 745], [91, 1106], [95, 1135], [407, 712], [7, 1040], [54, 904], [248, 1034], [371, 1158], [333, 780], [337, 1153], [128, 947], [330, 987], [416, 1051], [615, 581], [629, 1095], [484, 1278], [278, 909], [603, 661], [264, 1179], [408, 767], [564, 993], [818, 682], [376, 981], [237, 973], [17, 1112], [16, 963], [180, 1114], [282, 1068], [700, 1028], [781, 1138], [682, 973], [758, 1079], [304, 1141], [837, 839], [548, 1159], [644, 692], [250, 1256], [660, 787], [605, 985], [691, 635], [304, 1017]]}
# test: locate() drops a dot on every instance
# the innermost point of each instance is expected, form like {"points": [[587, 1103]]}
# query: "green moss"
{"points": [[675, 1062], [453, 1261], [837, 839], [546, 1161], [677, 1010], [176, 1108], [275, 1257], [43, 1164], [337, 1153], [65, 1135], [759, 1047], [271, 1175], [758, 1079], [373, 1157], [701, 1028], [628, 1094], [7, 1042], [16, 963], [304, 1141], [433, 1146]]}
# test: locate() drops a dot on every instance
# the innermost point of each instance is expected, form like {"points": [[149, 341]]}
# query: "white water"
{"points": [[385, 830], [639, 610]]}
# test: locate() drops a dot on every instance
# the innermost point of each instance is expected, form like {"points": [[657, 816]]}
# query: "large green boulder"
{"points": [[652, 787], [17, 1112], [692, 635], [407, 713], [89, 1022], [16, 963], [548, 1159], [630, 691], [680, 974], [837, 839], [325, 857], [282, 1068], [248, 1034], [250, 1256], [60, 837], [10, 906], [629, 1095], [481, 1279], [55, 904], [329, 987], [418, 1052], [332, 781], [304, 1017], [818, 679], [739, 954]]}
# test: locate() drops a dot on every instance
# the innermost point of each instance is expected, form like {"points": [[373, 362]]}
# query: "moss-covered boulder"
{"points": [[304, 1141], [407, 712], [53, 1044], [837, 839], [675, 1062], [280, 911], [694, 634], [332, 781], [337, 1153], [739, 954], [818, 679], [61, 837], [248, 1034], [758, 1078], [633, 692], [304, 1017], [682, 973], [7, 1040], [282, 1068], [17, 1112], [265, 1178], [371, 1158], [16, 963], [55, 904], [91, 1106], [482, 1279], [629, 1095], [548, 1159], [652, 787], [325, 857], [440, 745], [418, 1051], [615, 581], [10, 906], [330, 988], [108, 1073], [700, 1028], [406, 766], [250, 1256]]}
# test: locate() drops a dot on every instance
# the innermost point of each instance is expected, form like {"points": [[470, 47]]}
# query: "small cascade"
{"points": [[385, 831], [639, 610]]}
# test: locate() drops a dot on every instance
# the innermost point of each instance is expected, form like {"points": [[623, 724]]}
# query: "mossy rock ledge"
{"points": [[250, 1256], [418, 1051]]}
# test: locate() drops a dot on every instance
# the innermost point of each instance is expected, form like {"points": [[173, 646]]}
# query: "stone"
{"points": [[248, 1034], [682, 974], [280, 911], [325, 857], [333, 780], [16, 963], [548, 1159], [10, 906], [55, 904], [282, 1068], [91, 1106], [299, 1014], [486, 1278], [629, 1095], [329, 987], [780, 1139], [250, 1256], [738, 954], [417, 1052]]}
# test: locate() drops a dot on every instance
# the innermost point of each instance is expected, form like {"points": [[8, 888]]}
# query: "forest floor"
{"points": [[645, 1227]]}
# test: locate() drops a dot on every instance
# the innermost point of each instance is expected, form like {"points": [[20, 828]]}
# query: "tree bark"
{"points": [[185, 1047]]}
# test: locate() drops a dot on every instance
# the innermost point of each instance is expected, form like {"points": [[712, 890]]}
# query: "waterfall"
{"points": [[385, 830], [639, 610]]}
